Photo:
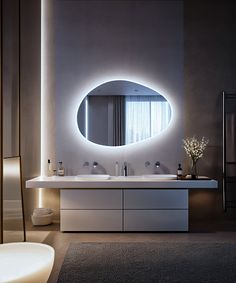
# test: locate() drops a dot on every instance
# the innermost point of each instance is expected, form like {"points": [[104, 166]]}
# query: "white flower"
{"points": [[194, 148]]}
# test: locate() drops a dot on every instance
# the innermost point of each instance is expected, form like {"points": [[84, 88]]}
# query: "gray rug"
{"points": [[149, 262]]}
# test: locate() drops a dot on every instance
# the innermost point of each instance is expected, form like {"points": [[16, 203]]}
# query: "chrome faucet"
{"points": [[86, 163], [95, 164], [157, 164]]}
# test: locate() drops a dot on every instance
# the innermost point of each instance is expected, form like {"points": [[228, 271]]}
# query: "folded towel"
{"points": [[42, 211]]}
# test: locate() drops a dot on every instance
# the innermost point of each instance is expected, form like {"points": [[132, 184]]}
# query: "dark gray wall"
{"points": [[209, 68], [100, 40]]}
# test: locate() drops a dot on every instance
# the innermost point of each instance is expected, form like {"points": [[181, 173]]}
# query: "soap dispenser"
{"points": [[125, 169], [179, 172], [50, 170], [117, 169], [60, 170]]}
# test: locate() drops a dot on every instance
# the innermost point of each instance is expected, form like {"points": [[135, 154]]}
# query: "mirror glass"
{"points": [[12, 226], [13, 219], [122, 112], [10, 78]]}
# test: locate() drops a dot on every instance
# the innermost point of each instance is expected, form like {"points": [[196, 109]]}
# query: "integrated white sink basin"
{"points": [[97, 177], [160, 176], [91, 177], [125, 177], [154, 177]]}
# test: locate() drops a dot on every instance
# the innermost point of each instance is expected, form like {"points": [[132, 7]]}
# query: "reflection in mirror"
{"points": [[13, 216], [10, 77], [122, 112], [11, 208]]}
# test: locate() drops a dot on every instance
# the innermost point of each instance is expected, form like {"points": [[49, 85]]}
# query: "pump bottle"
{"points": [[179, 172], [50, 170], [60, 170]]}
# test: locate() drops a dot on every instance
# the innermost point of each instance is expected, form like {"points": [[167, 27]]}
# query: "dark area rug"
{"points": [[149, 262]]}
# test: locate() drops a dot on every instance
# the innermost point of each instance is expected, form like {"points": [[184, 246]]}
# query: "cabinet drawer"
{"points": [[91, 220], [156, 220], [91, 199], [155, 199]]}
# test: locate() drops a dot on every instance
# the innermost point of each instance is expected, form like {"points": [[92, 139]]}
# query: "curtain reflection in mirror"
{"points": [[118, 120], [146, 116]]}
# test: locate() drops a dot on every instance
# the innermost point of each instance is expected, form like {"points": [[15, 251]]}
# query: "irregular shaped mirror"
{"points": [[122, 112]]}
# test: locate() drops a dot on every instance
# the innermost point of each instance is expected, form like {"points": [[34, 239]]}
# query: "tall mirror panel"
{"points": [[12, 218]]}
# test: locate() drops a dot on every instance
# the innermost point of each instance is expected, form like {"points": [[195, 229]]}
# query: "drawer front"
{"points": [[91, 220], [155, 199], [156, 220], [91, 199]]}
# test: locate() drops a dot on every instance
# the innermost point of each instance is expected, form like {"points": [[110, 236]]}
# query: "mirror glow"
{"points": [[122, 112]]}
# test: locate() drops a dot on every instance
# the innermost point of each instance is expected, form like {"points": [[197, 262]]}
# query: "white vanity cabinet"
{"points": [[124, 210], [91, 210], [104, 205], [155, 210]]}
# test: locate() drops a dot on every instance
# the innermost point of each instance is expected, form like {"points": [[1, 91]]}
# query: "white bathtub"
{"points": [[25, 262]]}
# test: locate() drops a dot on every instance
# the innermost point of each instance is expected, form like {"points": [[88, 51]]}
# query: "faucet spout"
{"points": [[157, 164], [95, 164]]}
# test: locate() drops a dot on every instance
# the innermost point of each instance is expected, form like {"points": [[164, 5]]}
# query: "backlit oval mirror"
{"points": [[122, 112]]}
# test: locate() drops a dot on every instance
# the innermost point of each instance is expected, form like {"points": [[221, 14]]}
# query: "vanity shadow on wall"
{"points": [[122, 112]]}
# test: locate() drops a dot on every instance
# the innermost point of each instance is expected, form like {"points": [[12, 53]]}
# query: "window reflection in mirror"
{"points": [[121, 112], [145, 117]]}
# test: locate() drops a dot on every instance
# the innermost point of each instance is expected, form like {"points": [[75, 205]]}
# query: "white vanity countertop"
{"points": [[73, 182]]}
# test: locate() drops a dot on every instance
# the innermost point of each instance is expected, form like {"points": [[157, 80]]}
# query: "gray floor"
{"points": [[224, 231]]}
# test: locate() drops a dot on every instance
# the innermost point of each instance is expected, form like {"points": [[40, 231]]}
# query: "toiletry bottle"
{"points": [[179, 172], [50, 170], [60, 170], [117, 169], [125, 169]]}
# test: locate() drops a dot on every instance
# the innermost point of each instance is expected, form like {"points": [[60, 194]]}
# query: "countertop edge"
{"points": [[39, 182]]}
